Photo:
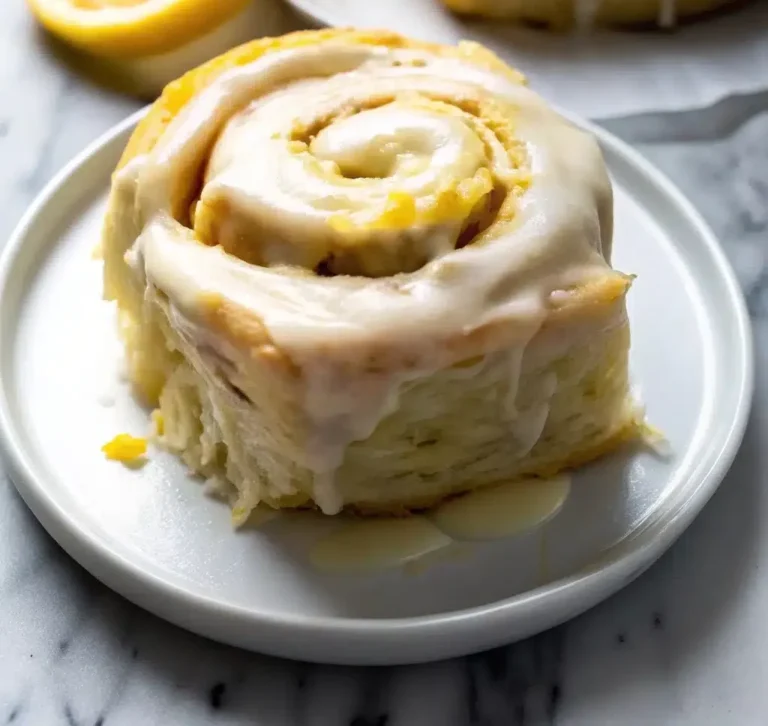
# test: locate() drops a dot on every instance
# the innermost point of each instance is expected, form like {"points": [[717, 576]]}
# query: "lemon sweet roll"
{"points": [[358, 271], [560, 14]]}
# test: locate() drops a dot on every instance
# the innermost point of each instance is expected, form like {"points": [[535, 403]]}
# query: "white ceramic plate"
{"points": [[599, 75], [154, 537]]}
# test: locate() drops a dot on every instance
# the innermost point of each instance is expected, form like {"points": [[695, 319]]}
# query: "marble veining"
{"points": [[687, 644]]}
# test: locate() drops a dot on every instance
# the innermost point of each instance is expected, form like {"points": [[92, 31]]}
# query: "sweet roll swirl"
{"points": [[339, 216]]}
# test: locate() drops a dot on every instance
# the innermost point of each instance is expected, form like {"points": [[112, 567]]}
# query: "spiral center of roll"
{"points": [[414, 149], [355, 191]]}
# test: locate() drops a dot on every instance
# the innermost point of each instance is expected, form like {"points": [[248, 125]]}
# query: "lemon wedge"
{"points": [[139, 46], [131, 28]]}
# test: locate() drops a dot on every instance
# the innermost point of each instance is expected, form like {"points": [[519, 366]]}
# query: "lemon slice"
{"points": [[138, 46], [131, 28]]}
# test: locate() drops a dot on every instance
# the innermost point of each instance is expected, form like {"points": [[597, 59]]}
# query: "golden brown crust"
{"points": [[243, 329], [593, 299], [177, 94]]}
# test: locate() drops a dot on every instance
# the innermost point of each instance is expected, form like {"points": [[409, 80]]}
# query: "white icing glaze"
{"points": [[289, 202], [503, 510], [376, 544], [493, 512], [528, 425]]}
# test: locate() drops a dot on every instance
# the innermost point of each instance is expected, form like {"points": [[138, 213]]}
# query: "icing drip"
{"points": [[494, 512]]}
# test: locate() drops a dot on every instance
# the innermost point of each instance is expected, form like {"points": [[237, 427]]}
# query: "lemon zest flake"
{"points": [[240, 515], [158, 422], [125, 448], [341, 223], [399, 211]]}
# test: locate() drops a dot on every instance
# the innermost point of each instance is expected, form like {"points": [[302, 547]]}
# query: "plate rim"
{"points": [[586, 587], [308, 10]]}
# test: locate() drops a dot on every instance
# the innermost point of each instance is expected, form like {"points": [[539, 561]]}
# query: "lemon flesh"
{"points": [[132, 28]]}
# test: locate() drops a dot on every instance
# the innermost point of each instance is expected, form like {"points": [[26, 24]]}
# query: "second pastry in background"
{"points": [[584, 14]]}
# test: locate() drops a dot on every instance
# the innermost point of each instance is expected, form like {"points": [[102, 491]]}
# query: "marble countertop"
{"points": [[686, 644]]}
